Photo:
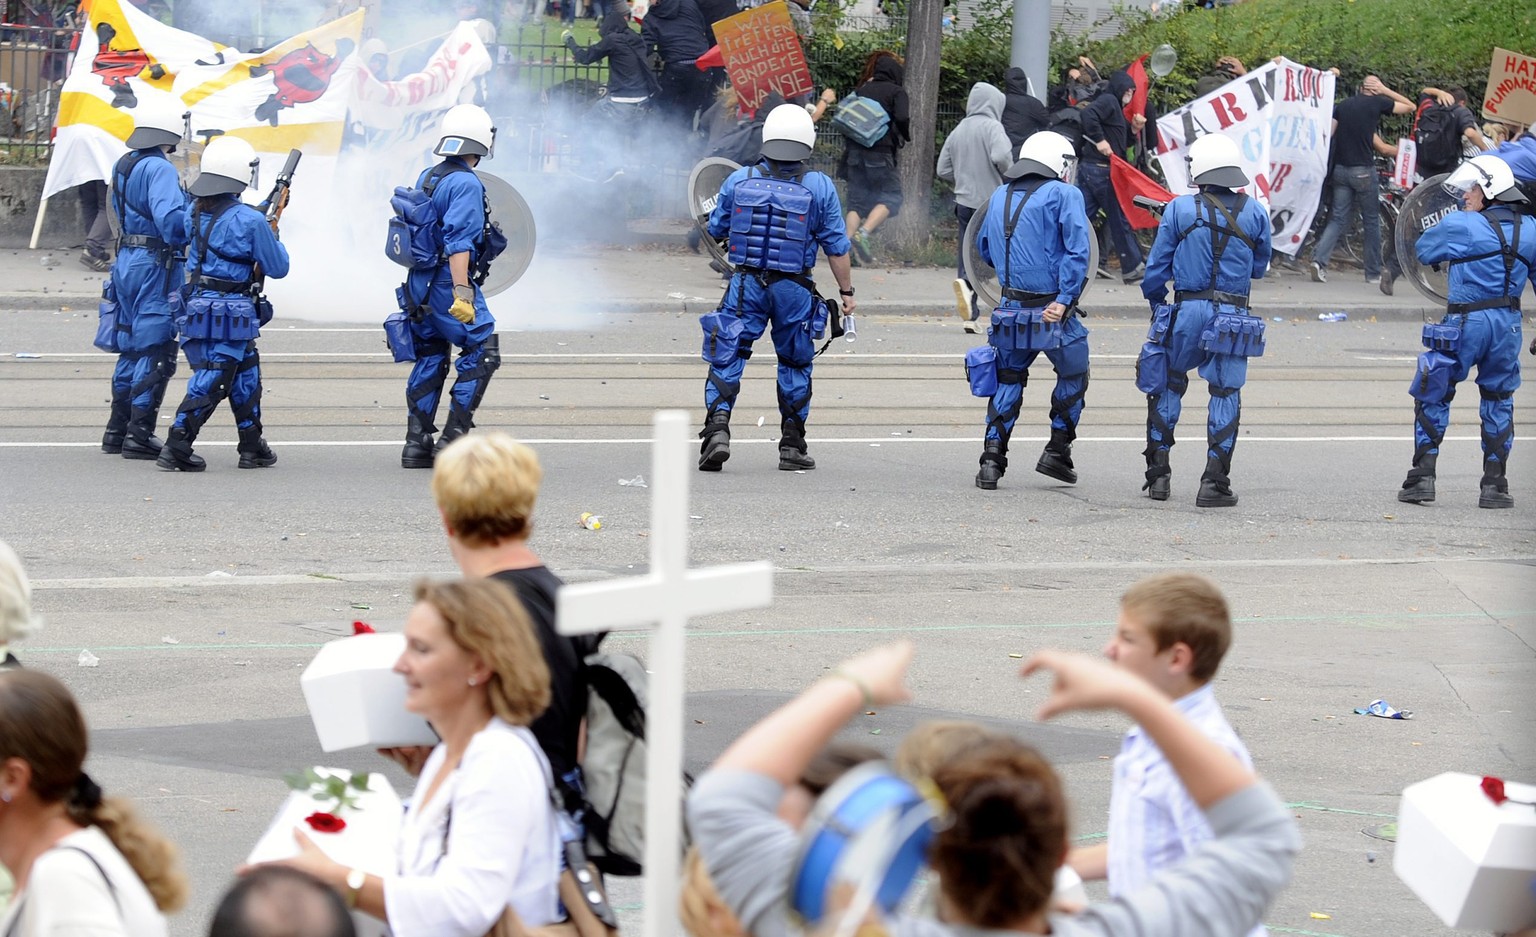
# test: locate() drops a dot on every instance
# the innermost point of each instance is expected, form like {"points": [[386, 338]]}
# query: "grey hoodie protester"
{"points": [[977, 151]]}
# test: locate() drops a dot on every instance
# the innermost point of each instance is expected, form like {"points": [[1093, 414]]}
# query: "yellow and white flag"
{"points": [[294, 95]]}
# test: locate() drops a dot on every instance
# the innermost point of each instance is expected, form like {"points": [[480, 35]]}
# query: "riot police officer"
{"points": [[146, 278], [1036, 234], [776, 213], [1209, 245], [224, 310], [1490, 249], [442, 301]]}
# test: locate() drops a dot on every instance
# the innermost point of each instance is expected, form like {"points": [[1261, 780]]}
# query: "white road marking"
{"points": [[842, 440], [605, 356]]}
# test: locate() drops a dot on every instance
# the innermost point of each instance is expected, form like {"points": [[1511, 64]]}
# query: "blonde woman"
{"points": [[83, 863]]}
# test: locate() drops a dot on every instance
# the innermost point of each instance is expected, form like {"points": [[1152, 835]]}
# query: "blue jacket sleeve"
{"points": [[266, 249], [1075, 235], [1154, 284], [1258, 229], [832, 229], [1447, 240], [167, 202], [464, 217]]}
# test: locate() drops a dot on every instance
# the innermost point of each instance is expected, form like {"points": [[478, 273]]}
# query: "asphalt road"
{"points": [[205, 596]]}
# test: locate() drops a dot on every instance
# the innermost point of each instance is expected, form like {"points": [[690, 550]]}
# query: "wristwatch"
{"points": [[356, 878], [847, 292]]}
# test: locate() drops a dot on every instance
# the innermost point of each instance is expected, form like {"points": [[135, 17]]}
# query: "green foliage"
{"points": [[1407, 43], [328, 787]]}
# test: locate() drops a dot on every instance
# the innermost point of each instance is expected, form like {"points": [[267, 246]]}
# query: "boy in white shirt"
{"points": [[1173, 631]]}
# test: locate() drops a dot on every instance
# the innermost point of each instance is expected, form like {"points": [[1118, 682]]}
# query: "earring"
{"points": [[5, 797], [471, 681]]}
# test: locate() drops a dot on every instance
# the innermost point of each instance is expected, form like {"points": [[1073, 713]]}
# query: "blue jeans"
{"points": [[1354, 189], [1098, 192]]}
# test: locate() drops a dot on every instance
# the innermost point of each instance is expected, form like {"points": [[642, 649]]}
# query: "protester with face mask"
{"points": [[1106, 132]]}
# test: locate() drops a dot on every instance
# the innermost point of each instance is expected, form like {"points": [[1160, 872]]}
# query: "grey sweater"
{"points": [[1222, 889], [977, 151]]}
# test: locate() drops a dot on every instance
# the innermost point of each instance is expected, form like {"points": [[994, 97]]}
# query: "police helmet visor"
{"points": [[1467, 177], [786, 151]]}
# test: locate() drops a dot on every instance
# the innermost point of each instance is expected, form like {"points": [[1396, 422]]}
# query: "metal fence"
{"points": [[33, 62]]}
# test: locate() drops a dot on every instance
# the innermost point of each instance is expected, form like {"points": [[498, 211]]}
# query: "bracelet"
{"points": [[869, 698]]}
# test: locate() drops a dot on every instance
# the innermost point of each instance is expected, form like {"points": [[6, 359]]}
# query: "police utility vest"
{"points": [[771, 223], [120, 174], [414, 238], [236, 311]]}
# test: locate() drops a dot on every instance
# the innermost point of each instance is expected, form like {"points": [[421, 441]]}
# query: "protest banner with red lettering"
{"points": [[1280, 115], [762, 54], [1511, 92]]}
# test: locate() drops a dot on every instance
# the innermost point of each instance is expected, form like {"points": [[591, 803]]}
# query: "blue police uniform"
{"points": [[776, 215], [220, 323], [1208, 327], [1036, 234], [145, 286], [459, 200], [1490, 254]]}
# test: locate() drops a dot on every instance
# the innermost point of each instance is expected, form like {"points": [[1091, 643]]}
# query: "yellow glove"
{"points": [[463, 310]]}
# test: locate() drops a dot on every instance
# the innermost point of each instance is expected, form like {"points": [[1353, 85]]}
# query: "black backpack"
{"points": [[1068, 121], [1435, 135]]}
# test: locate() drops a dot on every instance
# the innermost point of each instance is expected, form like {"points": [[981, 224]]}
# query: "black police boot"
{"points": [[117, 426], [1159, 476], [455, 427], [254, 451], [792, 457], [1419, 488], [1215, 487], [417, 453], [1495, 487], [141, 442], [716, 446], [177, 454], [1056, 460], [994, 464]]}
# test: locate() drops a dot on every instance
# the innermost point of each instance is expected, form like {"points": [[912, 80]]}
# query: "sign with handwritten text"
{"points": [[762, 54]]}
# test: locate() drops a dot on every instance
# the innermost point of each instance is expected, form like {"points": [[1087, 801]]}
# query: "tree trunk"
{"points": [[916, 161]]}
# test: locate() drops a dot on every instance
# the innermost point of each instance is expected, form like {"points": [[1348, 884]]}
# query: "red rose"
{"points": [[1494, 788], [362, 627], [325, 823]]}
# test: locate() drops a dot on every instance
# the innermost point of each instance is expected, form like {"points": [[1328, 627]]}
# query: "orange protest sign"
{"points": [[762, 54], [1511, 92]]}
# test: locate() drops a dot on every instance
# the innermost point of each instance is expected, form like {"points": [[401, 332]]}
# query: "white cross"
{"points": [[664, 598]]}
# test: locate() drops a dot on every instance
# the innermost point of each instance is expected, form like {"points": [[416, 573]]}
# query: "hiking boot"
{"points": [[417, 453], [715, 450], [792, 459], [177, 455], [1318, 276], [1159, 476], [1215, 488], [1419, 488], [254, 451], [1494, 492], [994, 464], [1057, 463]]}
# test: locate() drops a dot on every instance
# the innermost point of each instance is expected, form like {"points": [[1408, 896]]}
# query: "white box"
{"points": [[1471, 861], [370, 842], [355, 698]]}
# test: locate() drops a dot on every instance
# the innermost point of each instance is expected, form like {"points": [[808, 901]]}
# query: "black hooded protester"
{"points": [[630, 79], [874, 186], [1105, 132], [675, 30], [1023, 114]]}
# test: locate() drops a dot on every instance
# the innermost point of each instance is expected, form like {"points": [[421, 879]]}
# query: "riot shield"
{"points": [[703, 189], [984, 279], [1423, 207], [509, 210]]}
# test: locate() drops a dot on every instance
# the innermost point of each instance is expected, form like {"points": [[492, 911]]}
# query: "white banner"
{"points": [[1280, 115]]}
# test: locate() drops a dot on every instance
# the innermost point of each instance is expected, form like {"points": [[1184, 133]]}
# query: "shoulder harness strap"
{"points": [[1011, 220], [201, 236]]}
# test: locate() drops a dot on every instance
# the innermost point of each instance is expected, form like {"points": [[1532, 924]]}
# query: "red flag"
{"points": [[1138, 72], [714, 58], [1129, 181]]}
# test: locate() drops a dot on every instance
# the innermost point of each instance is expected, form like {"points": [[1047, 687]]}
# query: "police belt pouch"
{"points": [[1432, 377], [1441, 337], [397, 335], [1023, 330], [109, 324], [221, 318], [981, 370], [1236, 334], [722, 337], [1162, 321], [1152, 368]]}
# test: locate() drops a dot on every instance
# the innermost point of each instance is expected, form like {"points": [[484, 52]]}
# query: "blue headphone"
{"points": [[870, 830]]}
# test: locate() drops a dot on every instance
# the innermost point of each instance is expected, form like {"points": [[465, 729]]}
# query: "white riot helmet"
{"points": [[158, 120], [788, 134], [1045, 153], [467, 131], [229, 167], [1487, 172], [1216, 160]]}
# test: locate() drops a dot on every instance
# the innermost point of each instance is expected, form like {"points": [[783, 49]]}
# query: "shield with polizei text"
{"points": [[1423, 207], [703, 191], [511, 212]]}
